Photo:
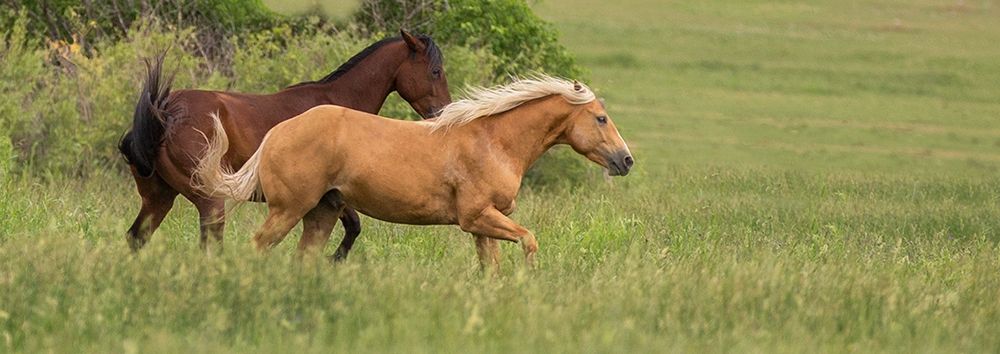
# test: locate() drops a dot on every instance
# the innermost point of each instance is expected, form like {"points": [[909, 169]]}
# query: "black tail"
{"points": [[140, 144]]}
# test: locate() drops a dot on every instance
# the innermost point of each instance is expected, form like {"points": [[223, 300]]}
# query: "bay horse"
{"points": [[167, 126], [464, 167]]}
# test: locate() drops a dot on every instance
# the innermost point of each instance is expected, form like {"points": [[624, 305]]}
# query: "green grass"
{"points": [[811, 177], [823, 86]]}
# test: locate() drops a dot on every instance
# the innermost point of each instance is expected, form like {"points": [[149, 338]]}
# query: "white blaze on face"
{"points": [[623, 141]]}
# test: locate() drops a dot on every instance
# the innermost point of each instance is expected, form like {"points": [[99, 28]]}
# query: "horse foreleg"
{"points": [[352, 228], [212, 219], [317, 225], [491, 223], [157, 200], [489, 252]]}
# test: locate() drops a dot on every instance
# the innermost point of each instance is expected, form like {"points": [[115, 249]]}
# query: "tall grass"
{"points": [[703, 260]]}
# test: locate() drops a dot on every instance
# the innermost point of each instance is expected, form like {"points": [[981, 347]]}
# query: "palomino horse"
{"points": [[464, 167], [166, 132]]}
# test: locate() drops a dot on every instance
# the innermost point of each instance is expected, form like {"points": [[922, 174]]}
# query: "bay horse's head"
{"points": [[591, 133], [420, 79]]}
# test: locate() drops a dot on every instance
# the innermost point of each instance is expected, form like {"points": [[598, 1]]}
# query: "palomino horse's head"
{"points": [[421, 80], [591, 133]]}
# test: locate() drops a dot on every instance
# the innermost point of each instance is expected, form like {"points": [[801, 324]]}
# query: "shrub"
{"points": [[519, 39], [90, 21], [509, 29], [26, 92]]}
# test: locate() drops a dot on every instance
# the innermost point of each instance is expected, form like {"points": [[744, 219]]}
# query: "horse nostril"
{"points": [[628, 162]]}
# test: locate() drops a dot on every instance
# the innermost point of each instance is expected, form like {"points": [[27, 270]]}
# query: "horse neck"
{"points": [[364, 87], [526, 132]]}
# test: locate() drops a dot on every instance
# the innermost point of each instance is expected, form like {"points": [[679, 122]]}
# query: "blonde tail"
{"points": [[215, 179]]}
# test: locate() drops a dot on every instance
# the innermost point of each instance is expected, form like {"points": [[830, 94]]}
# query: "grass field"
{"points": [[817, 176]]}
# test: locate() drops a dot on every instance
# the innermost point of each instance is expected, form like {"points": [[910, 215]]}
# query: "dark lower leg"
{"points": [[352, 228], [212, 218], [145, 223], [157, 200]]}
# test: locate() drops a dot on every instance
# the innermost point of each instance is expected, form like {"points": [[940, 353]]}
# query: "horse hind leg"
{"points": [[280, 220], [317, 225], [212, 220], [288, 203], [157, 200]]}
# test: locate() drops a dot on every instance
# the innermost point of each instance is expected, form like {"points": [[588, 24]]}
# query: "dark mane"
{"points": [[433, 53]]}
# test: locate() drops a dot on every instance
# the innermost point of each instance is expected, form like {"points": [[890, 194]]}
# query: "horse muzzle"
{"points": [[620, 163], [431, 113]]}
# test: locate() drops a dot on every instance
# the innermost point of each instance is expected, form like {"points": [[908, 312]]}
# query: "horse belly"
{"points": [[402, 212], [401, 204]]}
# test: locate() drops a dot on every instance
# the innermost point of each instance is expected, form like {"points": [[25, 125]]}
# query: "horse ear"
{"points": [[414, 43]]}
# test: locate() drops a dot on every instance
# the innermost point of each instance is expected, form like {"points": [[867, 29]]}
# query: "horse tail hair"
{"points": [[216, 179], [139, 145]]}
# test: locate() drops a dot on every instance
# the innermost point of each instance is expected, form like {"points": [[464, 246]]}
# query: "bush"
{"points": [[89, 21], [519, 39], [27, 92], [508, 28]]}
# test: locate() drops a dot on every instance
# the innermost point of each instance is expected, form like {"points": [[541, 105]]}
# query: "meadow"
{"points": [[817, 176]]}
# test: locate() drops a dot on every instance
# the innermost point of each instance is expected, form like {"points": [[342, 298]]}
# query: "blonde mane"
{"points": [[482, 102]]}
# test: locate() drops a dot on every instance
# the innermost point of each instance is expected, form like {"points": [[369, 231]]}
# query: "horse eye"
{"points": [[436, 73], [602, 119]]}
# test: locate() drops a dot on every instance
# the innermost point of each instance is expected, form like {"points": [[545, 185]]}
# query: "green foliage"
{"points": [[275, 58], [97, 20], [30, 94], [522, 41], [64, 112], [6, 159]]}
